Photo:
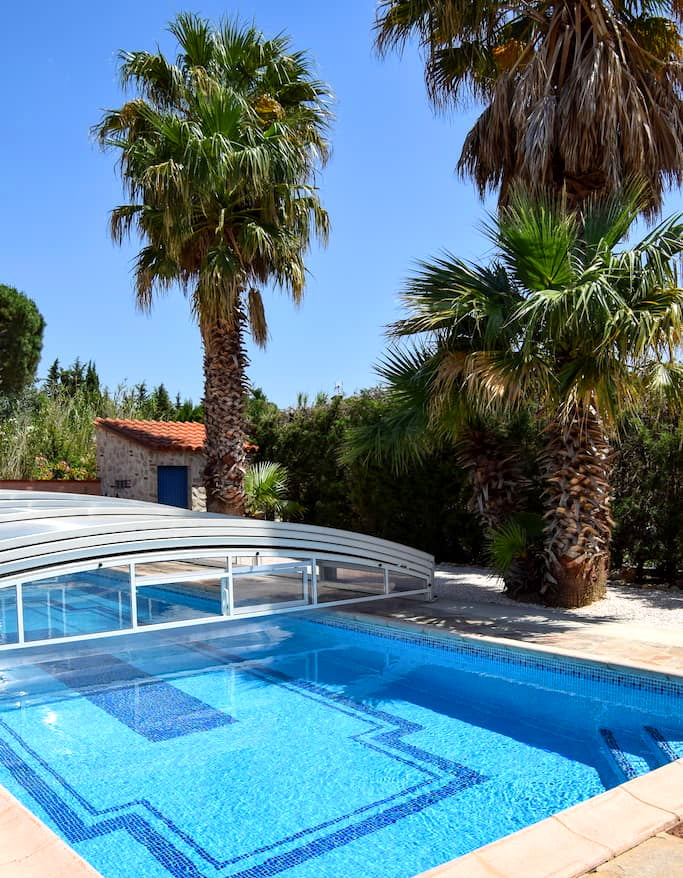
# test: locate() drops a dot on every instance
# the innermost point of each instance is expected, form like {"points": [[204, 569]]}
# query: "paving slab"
{"points": [[658, 857]]}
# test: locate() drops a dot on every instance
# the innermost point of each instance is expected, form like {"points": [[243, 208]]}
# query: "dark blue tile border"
{"points": [[393, 808], [624, 764], [75, 830]]}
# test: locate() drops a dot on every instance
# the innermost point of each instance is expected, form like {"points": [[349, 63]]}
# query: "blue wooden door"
{"points": [[172, 485]]}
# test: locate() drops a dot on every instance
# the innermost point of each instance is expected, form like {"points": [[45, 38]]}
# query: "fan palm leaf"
{"points": [[578, 96]]}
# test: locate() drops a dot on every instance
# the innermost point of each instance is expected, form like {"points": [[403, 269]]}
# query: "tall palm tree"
{"points": [[578, 96], [218, 154], [566, 320]]}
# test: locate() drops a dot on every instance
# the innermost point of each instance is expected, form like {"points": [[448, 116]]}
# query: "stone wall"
{"points": [[129, 469]]}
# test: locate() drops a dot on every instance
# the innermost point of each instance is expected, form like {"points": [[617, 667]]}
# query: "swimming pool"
{"points": [[314, 745]]}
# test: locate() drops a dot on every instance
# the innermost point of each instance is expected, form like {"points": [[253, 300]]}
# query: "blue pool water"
{"points": [[311, 746]]}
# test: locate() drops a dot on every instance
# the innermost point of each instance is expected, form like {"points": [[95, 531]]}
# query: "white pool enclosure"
{"points": [[74, 567]]}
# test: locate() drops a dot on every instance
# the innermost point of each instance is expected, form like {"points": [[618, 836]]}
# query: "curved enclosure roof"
{"points": [[75, 567], [39, 530]]}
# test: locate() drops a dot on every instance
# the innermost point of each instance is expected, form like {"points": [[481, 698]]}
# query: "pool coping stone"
{"points": [[30, 849]]}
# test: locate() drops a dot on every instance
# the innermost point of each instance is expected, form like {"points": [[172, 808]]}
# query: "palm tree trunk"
{"points": [[576, 467], [499, 490], [496, 475], [225, 364]]}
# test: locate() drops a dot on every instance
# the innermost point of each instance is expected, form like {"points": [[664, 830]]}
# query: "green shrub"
{"points": [[425, 507], [648, 495]]}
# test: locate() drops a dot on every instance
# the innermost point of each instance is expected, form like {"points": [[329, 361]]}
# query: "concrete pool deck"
{"points": [[621, 833], [470, 601]]}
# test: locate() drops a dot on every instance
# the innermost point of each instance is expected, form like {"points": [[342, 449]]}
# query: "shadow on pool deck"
{"points": [[469, 601]]}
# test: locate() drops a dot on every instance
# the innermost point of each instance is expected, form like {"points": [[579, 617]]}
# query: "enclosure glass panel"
{"points": [[180, 567], [244, 563], [178, 601], [77, 603], [8, 615], [259, 589], [405, 582], [340, 582]]}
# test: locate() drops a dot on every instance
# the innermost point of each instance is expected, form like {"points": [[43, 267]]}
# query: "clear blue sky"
{"points": [[390, 190]]}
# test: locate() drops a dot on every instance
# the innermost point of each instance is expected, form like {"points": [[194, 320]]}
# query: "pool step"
{"points": [[621, 761], [630, 755], [667, 750]]}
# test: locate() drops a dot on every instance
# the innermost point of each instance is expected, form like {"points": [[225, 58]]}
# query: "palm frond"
{"points": [[512, 540], [221, 191]]}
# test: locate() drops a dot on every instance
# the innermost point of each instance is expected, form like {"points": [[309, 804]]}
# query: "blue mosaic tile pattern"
{"points": [[624, 764], [444, 778], [146, 705], [440, 741]]}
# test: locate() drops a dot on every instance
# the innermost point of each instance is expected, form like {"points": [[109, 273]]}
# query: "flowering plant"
{"points": [[62, 469]]}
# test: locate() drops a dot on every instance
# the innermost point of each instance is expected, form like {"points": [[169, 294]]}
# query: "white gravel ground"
{"points": [[476, 586]]}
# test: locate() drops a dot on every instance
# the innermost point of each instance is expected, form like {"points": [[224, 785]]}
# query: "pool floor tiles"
{"points": [[330, 755]]}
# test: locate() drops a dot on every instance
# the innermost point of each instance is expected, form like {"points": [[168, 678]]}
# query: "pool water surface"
{"points": [[309, 746]]}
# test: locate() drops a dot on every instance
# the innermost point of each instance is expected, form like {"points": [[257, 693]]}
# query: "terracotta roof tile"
{"points": [[172, 435]]}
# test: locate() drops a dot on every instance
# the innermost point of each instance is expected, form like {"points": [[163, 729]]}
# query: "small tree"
{"points": [[21, 340], [265, 485]]}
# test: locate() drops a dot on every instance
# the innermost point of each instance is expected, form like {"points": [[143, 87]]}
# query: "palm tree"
{"points": [[565, 321], [218, 155], [579, 96]]}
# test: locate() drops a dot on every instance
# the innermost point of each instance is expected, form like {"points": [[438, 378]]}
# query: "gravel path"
{"points": [[624, 603]]}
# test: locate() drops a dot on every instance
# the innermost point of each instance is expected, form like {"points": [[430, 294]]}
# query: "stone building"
{"points": [[157, 461]]}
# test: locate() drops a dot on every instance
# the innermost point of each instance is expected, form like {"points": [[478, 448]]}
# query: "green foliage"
{"points": [[21, 340], [265, 484], [49, 436], [78, 378], [648, 495], [426, 506], [514, 541]]}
